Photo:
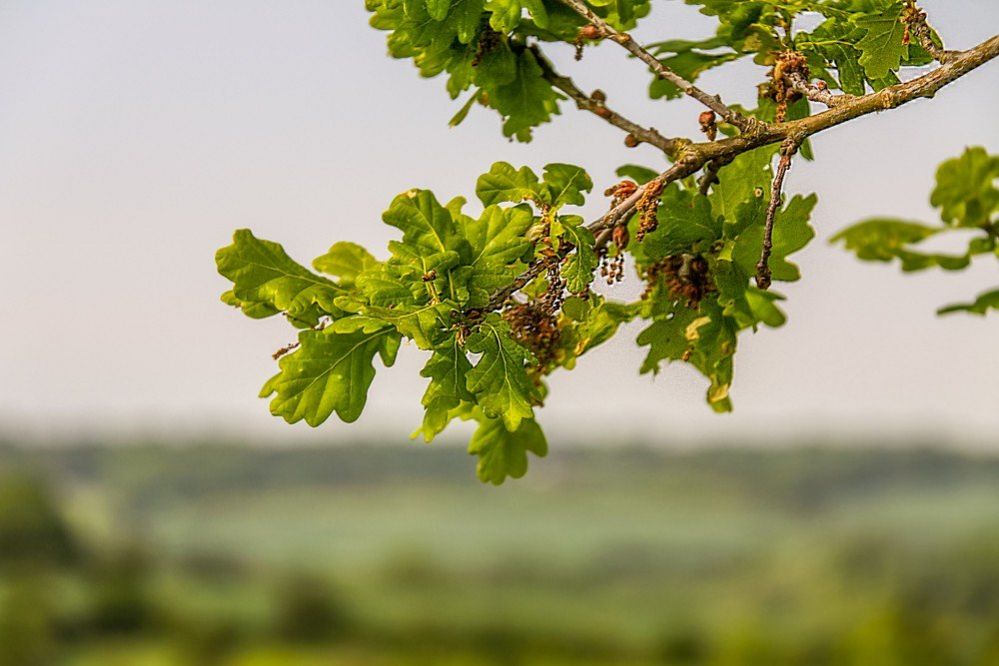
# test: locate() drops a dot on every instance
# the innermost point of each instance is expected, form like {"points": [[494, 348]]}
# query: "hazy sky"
{"points": [[135, 135]]}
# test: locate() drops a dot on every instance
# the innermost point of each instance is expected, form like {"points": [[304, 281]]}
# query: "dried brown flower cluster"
{"points": [[488, 40], [788, 62], [648, 209], [536, 327], [686, 277]]}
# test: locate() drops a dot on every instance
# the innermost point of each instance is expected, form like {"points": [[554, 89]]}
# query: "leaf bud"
{"points": [[621, 236], [708, 126]]}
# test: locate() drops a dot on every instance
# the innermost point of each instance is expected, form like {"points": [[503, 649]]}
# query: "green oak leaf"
{"points": [[848, 69], [267, 281], [578, 268], [966, 191], [832, 46], [447, 370], [748, 177], [253, 310], [685, 219], [747, 305], [713, 339], [467, 16], [527, 101], [499, 380], [968, 199], [884, 240], [763, 307], [438, 8], [385, 286], [496, 67], [502, 183], [498, 241], [346, 261], [502, 452], [497, 237], [443, 37], [882, 48], [738, 13], [588, 322], [706, 338], [427, 226], [564, 184], [621, 14], [791, 233], [980, 306], [666, 338], [462, 113], [330, 371], [423, 324], [506, 14]]}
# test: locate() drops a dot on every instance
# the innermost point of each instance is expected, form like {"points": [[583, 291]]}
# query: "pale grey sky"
{"points": [[135, 135]]}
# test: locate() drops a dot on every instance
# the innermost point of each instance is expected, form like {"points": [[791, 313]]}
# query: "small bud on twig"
{"points": [[708, 126]]}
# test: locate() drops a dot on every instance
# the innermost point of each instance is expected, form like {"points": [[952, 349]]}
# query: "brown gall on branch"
{"points": [[694, 156], [713, 102], [596, 104], [763, 276]]}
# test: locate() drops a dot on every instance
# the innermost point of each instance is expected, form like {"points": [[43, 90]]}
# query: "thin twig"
{"points": [[763, 275], [287, 349], [713, 102], [816, 93], [710, 176], [925, 86], [586, 102], [915, 20]]}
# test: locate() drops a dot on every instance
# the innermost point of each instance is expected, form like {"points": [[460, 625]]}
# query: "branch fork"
{"points": [[710, 156], [713, 102]]}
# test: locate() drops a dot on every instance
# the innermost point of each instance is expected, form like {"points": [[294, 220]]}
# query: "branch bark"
{"points": [[713, 102], [694, 156], [915, 18], [925, 86], [763, 276], [586, 102], [816, 94]]}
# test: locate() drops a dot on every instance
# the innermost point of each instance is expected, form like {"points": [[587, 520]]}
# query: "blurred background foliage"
{"points": [[219, 553]]}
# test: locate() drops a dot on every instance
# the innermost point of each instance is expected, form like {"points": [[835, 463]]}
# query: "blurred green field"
{"points": [[369, 554]]}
